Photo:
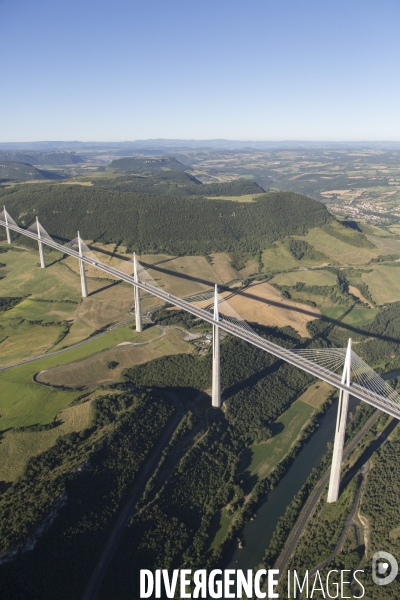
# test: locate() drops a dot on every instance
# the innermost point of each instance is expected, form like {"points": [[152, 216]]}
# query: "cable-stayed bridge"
{"points": [[357, 378]]}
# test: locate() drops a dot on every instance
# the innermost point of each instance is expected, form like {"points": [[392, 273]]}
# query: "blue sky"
{"points": [[255, 70]]}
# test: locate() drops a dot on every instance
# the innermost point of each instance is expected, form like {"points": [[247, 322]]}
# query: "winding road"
{"points": [[38, 379], [46, 355], [374, 398], [315, 495]]}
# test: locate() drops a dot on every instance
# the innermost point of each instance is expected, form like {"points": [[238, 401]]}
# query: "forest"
{"points": [[86, 476], [10, 170], [167, 224], [66, 500], [89, 474], [177, 183], [256, 390]]}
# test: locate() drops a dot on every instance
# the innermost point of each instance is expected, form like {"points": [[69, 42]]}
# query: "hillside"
{"points": [[21, 171], [177, 183], [42, 158], [165, 224], [140, 165]]}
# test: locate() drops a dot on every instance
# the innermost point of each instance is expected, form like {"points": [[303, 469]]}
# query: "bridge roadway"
{"points": [[317, 371]]}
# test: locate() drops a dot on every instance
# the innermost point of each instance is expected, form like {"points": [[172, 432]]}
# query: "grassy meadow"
{"points": [[94, 371], [24, 402], [337, 250], [383, 283], [52, 315], [180, 275], [267, 455], [309, 277], [278, 258], [17, 446], [356, 316]]}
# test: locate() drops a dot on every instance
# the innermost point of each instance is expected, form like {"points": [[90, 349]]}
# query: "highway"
{"points": [[308, 509], [82, 343], [386, 405], [313, 498]]}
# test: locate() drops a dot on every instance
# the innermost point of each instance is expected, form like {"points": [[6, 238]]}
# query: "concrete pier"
{"points": [[41, 253], [138, 308], [216, 371], [343, 407], [82, 270], [8, 232]]}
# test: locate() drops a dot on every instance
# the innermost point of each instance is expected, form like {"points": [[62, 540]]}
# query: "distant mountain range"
{"points": [[150, 146], [42, 158], [20, 171]]}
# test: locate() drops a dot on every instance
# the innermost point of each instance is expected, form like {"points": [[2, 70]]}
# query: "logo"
{"points": [[380, 565]]}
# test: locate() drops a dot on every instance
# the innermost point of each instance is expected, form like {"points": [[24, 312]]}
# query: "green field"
{"points": [[278, 258], [385, 245], [24, 402], [180, 275], [267, 455], [17, 447], [337, 250], [52, 313], [222, 526], [384, 284], [24, 277], [310, 277], [94, 371], [46, 312], [376, 231], [21, 340], [357, 316]]}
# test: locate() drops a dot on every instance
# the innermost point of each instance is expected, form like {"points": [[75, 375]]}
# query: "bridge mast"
{"points": [[41, 253], [82, 270], [8, 232], [138, 308], [216, 371], [343, 406]]}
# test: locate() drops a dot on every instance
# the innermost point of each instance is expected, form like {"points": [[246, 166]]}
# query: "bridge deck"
{"points": [[387, 406]]}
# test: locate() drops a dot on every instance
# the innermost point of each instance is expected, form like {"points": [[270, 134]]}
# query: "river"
{"points": [[257, 534], [309, 457]]}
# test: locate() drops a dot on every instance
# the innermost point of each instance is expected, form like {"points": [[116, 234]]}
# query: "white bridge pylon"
{"points": [[208, 301], [357, 379], [79, 246], [354, 371], [334, 360], [223, 313], [134, 267], [42, 234], [136, 291], [4, 216]]}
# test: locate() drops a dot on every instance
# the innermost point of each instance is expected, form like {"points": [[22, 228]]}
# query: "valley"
{"points": [[288, 266]]}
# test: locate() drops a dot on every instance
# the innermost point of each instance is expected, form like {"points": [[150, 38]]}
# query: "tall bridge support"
{"points": [[8, 232], [216, 371], [82, 270], [343, 407], [41, 253], [138, 308]]}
